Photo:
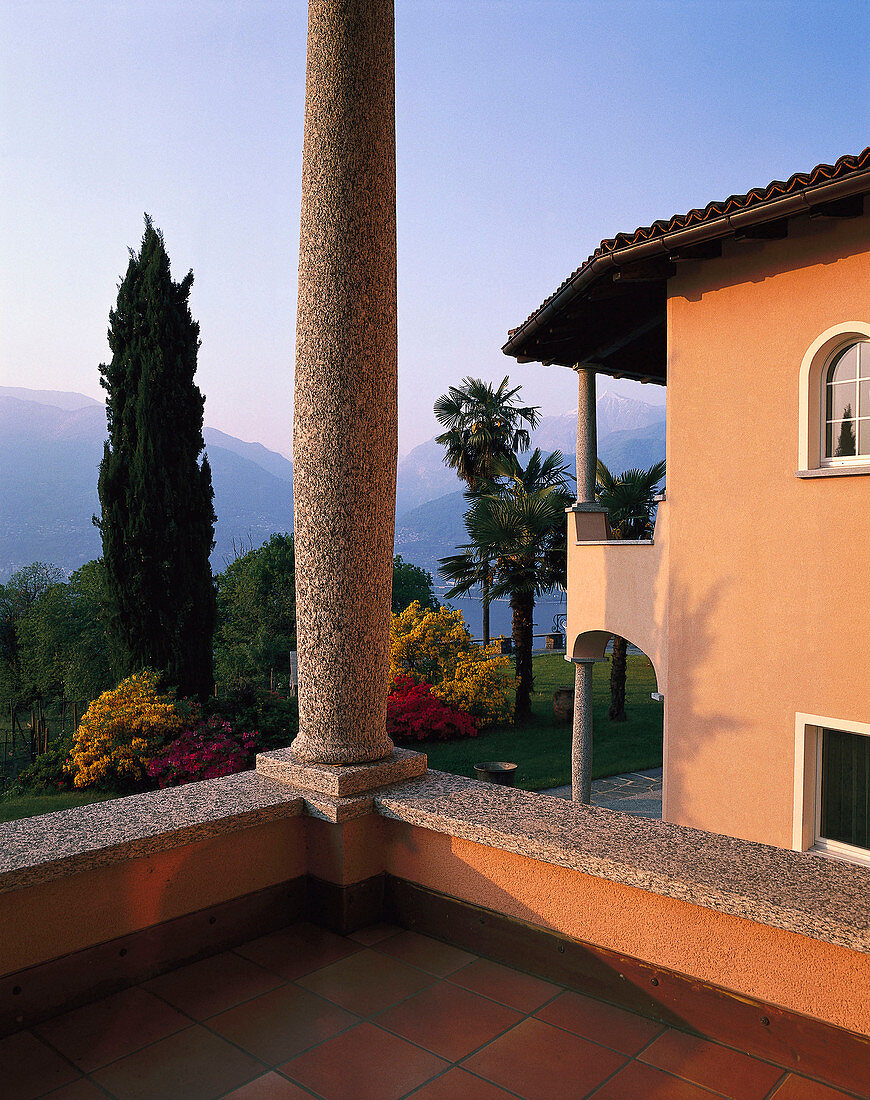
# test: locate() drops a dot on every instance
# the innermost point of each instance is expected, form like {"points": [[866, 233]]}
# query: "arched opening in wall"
{"points": [[627, 723]]}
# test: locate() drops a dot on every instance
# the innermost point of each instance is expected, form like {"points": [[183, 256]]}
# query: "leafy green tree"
{"points": [[17, 597], [63, 640], [410, 584], [256, 596], [155, 491], [518, 523], [484, 429], [629, 498]]}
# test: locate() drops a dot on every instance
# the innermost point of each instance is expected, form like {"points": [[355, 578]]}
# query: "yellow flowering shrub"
{"points": [[434, 647], [121, 731]]}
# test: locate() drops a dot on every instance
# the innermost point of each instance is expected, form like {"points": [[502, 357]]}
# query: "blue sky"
{"points": [[527, 131]]}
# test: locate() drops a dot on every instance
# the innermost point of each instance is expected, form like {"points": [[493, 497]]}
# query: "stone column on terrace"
{"points": [[589, 524], [345, 431], [581, 735], [589, 518]]}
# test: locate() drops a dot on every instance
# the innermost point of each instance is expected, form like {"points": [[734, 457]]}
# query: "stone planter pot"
{"points": [[503, 646], [563, 704], [554, 641], [496, 771]]}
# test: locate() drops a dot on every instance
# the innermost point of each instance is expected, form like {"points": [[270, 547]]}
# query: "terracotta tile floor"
{"points": [[378, 1015]]}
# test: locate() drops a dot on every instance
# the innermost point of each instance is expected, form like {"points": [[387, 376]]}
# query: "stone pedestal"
{"points": [[344, 433]]}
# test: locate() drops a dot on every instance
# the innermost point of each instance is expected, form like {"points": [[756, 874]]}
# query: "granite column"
{"points": [[344, 432]]}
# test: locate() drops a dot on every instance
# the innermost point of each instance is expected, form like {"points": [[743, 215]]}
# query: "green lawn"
{"points": [[29, 805], [542, 747]]}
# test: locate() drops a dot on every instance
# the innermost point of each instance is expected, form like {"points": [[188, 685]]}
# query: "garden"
{"points": [[448, 697]]}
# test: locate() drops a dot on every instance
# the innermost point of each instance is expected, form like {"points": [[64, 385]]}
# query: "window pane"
{"points": [[845, 365], [842, 401], [845, 810], [840, 439], [864, 436], [863, 398]]}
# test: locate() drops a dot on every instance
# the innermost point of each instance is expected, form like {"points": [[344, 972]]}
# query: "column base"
{"points": [[341, 780]]}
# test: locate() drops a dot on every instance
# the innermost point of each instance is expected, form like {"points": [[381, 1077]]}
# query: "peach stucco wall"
{"points": [[751, 959], [68, 914], [769, 586], [621, 589]]}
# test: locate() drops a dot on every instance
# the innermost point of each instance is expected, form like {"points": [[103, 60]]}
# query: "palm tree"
{"points": [[517, 523], [630, 502], [483, 427]]}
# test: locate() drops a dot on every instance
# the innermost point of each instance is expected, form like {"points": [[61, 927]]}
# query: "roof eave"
{"points": [[727, 225]]}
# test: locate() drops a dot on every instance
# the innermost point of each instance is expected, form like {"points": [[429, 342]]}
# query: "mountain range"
{"points": [[51, 444]]}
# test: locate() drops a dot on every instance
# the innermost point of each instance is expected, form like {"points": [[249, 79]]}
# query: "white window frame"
{"points": [[811, 407], [808, 785], [826, 460]]}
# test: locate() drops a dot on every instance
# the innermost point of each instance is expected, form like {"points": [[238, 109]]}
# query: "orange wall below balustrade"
{"points": [[751, 959], [769, 586], [68, 914]]}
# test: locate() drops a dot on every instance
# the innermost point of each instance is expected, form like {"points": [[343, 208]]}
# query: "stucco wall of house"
{"points": [[620, 588], [752, 959], [768, 579]]}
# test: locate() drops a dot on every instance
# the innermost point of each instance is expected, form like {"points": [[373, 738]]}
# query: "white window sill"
{"points": [[614, 542], [835, 471]]}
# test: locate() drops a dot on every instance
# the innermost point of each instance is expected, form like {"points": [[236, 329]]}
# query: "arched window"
{"points": [[846, 406], [834, 403]]}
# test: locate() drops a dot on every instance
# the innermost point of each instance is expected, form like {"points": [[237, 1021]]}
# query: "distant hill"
{"points": [[49, 461], [51, 444], [630, 433]]}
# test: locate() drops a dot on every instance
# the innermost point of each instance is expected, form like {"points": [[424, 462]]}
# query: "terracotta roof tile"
{"points": [[822, 173]]}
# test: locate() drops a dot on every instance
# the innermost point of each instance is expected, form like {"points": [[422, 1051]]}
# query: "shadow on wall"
{"points": [[696, 738]]}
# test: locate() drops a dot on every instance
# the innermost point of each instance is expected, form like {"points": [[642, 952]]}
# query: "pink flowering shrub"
{"points": [[415, 714], [208, 750]]}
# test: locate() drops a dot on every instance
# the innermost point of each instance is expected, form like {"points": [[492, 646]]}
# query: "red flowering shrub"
{"points": [[415, 714], [207, 751]]}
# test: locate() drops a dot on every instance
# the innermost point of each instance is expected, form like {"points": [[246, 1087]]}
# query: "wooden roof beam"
{"points": [[765, 231], [850, 207]]}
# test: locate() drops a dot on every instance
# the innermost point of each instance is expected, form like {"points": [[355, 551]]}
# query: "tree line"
{"points": [[56, 637]]}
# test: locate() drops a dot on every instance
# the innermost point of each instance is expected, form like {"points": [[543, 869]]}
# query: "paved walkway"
{"points": [[380, 1015], [638, 793]]}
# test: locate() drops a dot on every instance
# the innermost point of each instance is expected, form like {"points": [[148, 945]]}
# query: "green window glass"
{"points": [[845, 805]]}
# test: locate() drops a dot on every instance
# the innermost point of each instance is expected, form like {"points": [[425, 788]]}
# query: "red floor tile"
{"points": [[801, 1088], [448, 1020], [271, 1086], [642, 1082], [710, 1064], [541, 1062], [213, 985], [456, 1084], [374, 933], [193, 1064], [603, 1023], [281, 1024], [82, 1089], [109, 1029], [297, 950], [520, 991], [29, 1068], [365, 1063], [367, 982], [431, 955]]}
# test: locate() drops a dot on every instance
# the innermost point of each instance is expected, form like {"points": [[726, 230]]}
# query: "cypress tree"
{"points": [[155, 492]]}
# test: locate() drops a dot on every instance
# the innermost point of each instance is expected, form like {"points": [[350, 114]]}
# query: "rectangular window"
{"points": [[844, 788], [832, 787]]}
